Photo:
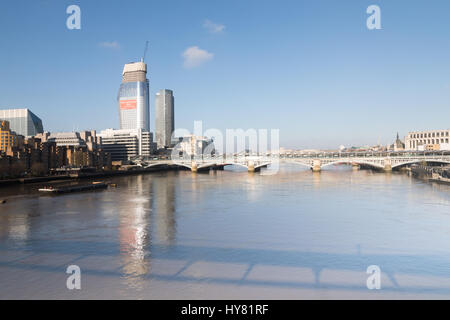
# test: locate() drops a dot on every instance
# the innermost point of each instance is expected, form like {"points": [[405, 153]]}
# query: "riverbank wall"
{"points": [[87, 175]]}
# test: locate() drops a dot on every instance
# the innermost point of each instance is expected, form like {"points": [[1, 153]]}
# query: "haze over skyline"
{"points": [[310, 68]]}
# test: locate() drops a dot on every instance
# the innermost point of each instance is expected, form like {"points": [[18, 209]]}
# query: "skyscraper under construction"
{"points": [[133, 97]]}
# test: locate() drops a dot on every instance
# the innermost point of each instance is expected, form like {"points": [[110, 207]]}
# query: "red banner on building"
{"points": [[127, 104]]}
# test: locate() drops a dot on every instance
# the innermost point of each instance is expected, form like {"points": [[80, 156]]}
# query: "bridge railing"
{"points": [[358, 154], [324, 156]]}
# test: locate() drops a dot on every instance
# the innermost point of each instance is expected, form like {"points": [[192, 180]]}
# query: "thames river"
{"points": [[230, 235]]}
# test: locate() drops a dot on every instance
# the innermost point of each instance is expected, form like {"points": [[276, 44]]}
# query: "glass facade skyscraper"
{"points": [[22, 121], [164, 114], [133, 97]]}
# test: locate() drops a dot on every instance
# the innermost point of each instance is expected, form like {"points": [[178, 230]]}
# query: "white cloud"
{"points": [[111, 44], [213, 27], [194, 57]]}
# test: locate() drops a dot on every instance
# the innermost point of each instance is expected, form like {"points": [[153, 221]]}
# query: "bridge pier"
{"points": [[355, 166], [317, 166], [194, 166], [387, 165], [251, 166]]}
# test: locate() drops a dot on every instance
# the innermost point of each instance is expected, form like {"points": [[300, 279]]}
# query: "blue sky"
{"points": [[309, 68]]}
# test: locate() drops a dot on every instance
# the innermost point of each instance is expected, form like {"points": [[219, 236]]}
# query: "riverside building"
{"points": [[76, 149], [8, 138], [427, 140]]}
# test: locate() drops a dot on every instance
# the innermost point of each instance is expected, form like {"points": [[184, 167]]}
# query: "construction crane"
{"points": [[145, 50]]}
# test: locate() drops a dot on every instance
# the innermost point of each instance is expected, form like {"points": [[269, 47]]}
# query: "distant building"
{"points": [[127, 144], [193, 146], [22, 121], [133, 97], [398, 145], [165, 118], [427, 140]]}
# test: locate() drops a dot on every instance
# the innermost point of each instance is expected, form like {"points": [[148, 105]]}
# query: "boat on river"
{"points": [[74, 188]]}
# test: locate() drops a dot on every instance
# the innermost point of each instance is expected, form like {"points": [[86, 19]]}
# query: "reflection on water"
{"points": [[164, 208], [134, 238], [227, 234]]}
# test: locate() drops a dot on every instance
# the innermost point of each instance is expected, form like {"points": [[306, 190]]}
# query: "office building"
{"points": [[164, 118], [427, 140], [127, 144], [22, 121], [133, 98]]}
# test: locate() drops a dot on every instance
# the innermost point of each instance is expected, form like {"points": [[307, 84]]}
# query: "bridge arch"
{"points": [[356, 161], [237, 164], [296, 162], [155, 164], [183, 165], [401, 164], [208, 165]]}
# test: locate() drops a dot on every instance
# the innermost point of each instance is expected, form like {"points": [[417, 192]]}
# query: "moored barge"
{"points": [[75, 188]]}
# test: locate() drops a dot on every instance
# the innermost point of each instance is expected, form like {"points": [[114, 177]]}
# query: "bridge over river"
{"points": [[316, 161]]}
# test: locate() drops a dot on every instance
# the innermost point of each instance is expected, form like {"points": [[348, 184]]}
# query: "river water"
{"points": [[230, 235]]}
